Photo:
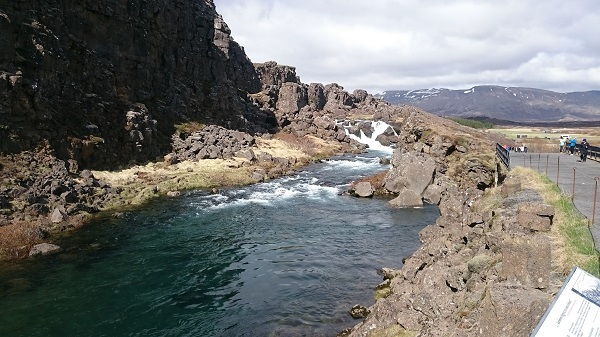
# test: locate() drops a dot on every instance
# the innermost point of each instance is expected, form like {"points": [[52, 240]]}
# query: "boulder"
{"points": [[59, 214], [284, 162], [44, 249], [364, 189], [324, 122], [265, 157], [358, 311], [407, 198], [433, 194], [384, 161], [259, 175], [526, 261], [409, 171], [246, 154], [479, 263], [535, 216], [389, 273], [316, 96], [292, 98]]}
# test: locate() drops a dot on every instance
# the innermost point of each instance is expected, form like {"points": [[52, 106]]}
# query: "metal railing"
{"points": [[504, 155], [593, 152]]}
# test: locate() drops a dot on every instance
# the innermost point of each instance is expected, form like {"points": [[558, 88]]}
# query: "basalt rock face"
{"points": [[71, 72]]}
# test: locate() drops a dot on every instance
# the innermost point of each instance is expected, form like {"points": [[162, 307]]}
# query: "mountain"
{"points": [[502, 103]]}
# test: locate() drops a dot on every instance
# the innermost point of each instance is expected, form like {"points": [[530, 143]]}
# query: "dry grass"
{"points": [[310, 146], [286, 146], [142, 183], [17, 238], [541, 146], [189, 127]]}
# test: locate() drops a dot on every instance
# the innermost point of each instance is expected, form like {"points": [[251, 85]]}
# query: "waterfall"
{"points": [[379, 127]]}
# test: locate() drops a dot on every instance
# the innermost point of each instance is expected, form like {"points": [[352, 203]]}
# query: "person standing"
{"points": [[583, 148], [562, 144], [572, 145]]}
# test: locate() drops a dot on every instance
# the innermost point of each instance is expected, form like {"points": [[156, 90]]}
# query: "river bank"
{"points": [[489, 266], [287, 256], [98, 193]]}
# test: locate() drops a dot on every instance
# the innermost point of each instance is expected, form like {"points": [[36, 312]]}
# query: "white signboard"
{"points": [[575, 311]]}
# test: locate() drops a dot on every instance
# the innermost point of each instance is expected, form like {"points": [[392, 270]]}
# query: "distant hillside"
{"points": [[502, 103]]}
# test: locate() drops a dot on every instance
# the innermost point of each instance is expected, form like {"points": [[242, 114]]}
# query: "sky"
{"points": [[380, 45]]}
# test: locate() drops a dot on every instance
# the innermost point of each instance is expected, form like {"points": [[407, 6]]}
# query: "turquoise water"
{"points": [[285, 258]]}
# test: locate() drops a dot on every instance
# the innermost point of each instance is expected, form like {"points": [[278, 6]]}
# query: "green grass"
{"points": [[189, 127], [475, 124]]}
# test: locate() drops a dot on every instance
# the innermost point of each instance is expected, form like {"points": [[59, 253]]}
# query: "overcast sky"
{"points": [[381, 45]]}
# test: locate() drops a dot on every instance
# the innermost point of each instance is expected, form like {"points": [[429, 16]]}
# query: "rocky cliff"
{"points": [[105, 83]]}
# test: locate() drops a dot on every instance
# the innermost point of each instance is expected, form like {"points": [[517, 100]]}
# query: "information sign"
{"points": [[575, 311]]}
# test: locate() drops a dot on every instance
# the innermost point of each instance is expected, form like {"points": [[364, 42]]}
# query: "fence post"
{"points": [[530, 161], [539, 159], [594, 206], [573, 195], [547, 158], [557, 171]]}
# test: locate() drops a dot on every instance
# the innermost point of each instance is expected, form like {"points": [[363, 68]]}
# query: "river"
{"points": [[287, 257]]}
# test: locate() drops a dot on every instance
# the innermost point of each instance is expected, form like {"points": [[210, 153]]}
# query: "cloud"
{"points": [[407, 44]]}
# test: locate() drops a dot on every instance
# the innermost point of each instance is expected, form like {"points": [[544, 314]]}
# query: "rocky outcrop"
{"points": [[364, 189], [427, 163], [41, 186], [131, 90], [137, 87], [272, 75], [483, 270], [211, 142], [313, 109]]}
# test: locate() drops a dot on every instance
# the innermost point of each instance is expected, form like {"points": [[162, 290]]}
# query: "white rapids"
{"points": [[379, 127]]}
